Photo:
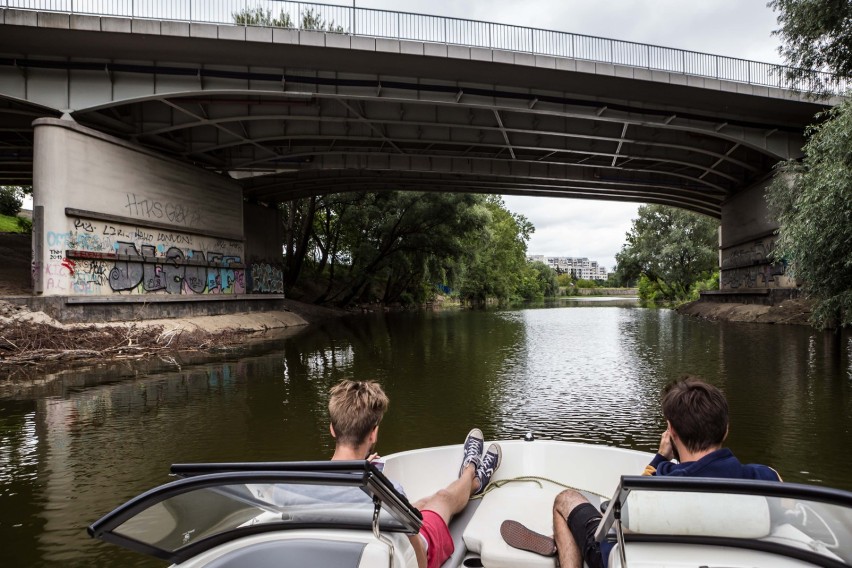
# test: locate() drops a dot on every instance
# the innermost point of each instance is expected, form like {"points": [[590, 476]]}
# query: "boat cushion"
{"points": [[294, 552], [697, 514], [527, 502]]}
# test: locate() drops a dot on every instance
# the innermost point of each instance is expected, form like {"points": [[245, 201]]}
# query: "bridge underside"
{"points": [[167, 112], [426, 123], [282, 145]]}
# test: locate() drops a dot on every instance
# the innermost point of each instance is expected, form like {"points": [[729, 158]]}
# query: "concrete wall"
{"points": [[747, 237], [264, 231], [113, 218]]}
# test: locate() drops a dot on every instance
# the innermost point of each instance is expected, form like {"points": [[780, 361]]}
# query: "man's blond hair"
{"points": [[355, 408]]}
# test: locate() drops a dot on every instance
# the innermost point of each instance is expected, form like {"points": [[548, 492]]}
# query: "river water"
{"points": [[75, 445]]}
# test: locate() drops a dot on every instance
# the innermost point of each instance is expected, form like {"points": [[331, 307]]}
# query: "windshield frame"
{"points": [[355, 474], [613, 515]]}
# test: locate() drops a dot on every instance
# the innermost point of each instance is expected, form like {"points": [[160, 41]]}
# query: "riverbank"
{"points": [[795, 312], [30, 338]]}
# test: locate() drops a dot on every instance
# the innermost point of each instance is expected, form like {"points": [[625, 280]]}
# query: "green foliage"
{"points": [[582, 283], [24, 224], [11, 200], [816, 36], [812, 201], [8, 224], [711, 283], [258, 16], [313, 20], [402, 247], [498, 255], [538, 282], [668, 250]]}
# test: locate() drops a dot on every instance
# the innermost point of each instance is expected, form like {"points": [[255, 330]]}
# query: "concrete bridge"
{"points": [[173, 130]]}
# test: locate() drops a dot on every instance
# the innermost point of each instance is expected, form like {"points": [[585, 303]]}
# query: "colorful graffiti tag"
{"points": [[176, 272], [266, 278], [95, 258]]}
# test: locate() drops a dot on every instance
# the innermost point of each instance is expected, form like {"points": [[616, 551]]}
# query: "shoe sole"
{"points": [[518, 536]]}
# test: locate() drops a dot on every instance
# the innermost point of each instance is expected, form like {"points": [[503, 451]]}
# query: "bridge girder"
{"points": [[277, 128]]}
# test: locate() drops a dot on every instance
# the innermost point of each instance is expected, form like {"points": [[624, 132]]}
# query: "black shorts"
{"points": [[583, 522]]}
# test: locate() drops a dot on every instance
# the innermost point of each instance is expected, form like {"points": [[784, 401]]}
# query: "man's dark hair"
{"points": [[697, 411]]}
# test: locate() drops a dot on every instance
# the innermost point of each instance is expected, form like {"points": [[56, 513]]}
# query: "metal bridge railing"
{"points": [[439, 29]]}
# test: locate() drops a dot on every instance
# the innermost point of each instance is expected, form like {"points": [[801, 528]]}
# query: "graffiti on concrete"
{"points": [[104, 258], [750, 266], [175, 272], [178, 213], [266, 278]]}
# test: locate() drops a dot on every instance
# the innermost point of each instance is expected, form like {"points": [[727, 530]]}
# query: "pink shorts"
{"points": [[438, 539]]}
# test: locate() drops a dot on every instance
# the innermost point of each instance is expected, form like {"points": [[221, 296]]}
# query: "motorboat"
{"points": [[353, 514]]}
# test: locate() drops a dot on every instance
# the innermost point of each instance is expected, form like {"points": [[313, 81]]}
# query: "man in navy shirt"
{"points": [[696, 415]]}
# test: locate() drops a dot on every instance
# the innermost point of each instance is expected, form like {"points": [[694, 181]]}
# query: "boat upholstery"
{"points": [[482, 535], [308, 547], [648, 555], [698, 514], [296, 552]]}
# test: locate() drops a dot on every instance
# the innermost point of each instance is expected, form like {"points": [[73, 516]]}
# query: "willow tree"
{"points": [[812, 198], [812, 201]]}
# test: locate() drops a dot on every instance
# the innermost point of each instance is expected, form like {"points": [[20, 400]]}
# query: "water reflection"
{"points": [[73, 446]]}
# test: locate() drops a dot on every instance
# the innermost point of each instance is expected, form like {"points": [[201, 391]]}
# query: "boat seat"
{"points": [[648, 555], [482, 535], [308, 547], [296, 552], [698, 514]]}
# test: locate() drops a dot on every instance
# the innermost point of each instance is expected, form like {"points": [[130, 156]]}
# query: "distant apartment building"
{"points": [[581, 268]]}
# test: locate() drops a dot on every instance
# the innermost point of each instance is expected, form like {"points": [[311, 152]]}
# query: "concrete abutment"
{"points": [[747, 236], [120, 230]]}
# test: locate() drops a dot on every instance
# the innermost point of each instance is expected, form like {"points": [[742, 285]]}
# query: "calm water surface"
{"points": [[73, 446]]}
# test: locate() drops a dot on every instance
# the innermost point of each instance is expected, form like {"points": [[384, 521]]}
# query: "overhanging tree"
{"points": [[816, 36], [812, 199]]}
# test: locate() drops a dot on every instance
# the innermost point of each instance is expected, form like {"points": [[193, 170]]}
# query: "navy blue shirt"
{"points": [[719, 463]]}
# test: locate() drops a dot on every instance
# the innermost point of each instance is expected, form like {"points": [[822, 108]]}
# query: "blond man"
{"points": [[356, 409]]}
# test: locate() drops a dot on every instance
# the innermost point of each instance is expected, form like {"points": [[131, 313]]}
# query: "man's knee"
{"points": [[566, 501]]}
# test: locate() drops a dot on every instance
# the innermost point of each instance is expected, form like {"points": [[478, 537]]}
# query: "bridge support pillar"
{"points": [[746, 239], [140, 235]]}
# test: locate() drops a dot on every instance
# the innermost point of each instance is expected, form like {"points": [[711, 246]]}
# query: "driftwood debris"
{"points": [[30, 343]]}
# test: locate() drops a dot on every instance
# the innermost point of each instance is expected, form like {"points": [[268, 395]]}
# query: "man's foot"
{"points": [[518, 536], [473, 446], [490, 462]]}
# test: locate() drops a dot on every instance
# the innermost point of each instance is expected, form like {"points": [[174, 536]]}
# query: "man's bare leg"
{"points": [[568, 550], [452, 499]]}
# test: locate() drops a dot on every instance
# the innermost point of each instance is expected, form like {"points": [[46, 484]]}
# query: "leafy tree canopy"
{"points": [[11, 199], [816, 35], [812, 201], [671, 249], [395, 246], [310, 19]]}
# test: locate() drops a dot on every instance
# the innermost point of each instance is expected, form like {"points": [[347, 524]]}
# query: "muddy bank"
{"points": [[30, 338], [796, 312]]}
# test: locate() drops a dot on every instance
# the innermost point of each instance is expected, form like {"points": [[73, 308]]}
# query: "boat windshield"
{"points": [[181, 519], [813, 524]]}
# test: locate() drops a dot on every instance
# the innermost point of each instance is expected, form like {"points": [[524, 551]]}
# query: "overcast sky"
{"points": [[737, 28]]}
